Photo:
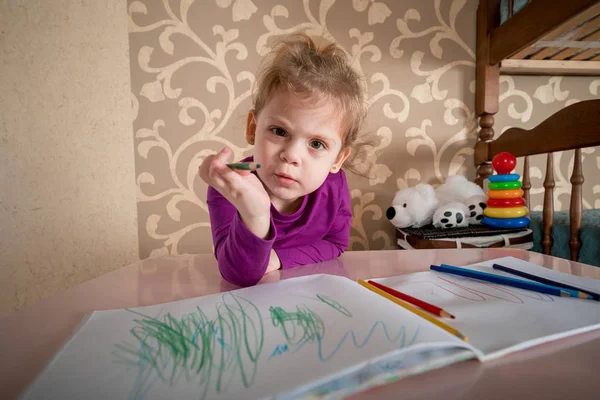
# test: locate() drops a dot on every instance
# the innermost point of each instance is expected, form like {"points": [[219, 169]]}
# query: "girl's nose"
{"points": [[291, 154]]}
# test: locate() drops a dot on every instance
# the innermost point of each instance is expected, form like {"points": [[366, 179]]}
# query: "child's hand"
{"points": [[274, 262], [241, 188]]}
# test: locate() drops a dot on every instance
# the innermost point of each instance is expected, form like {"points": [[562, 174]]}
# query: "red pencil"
{"points": [[419, 303]]}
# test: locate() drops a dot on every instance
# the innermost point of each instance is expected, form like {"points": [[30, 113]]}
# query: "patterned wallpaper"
{"points": [[192, 70]]}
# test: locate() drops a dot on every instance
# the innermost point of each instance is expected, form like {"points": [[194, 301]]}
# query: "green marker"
{"points": [[247, 166]]}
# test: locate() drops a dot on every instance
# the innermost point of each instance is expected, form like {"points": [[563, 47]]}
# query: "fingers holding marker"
{"points": [[237, 183], [209, 168], [227, 178], [224, 154], [221, 176], [217, 172], [204, 169], [242, 168]]}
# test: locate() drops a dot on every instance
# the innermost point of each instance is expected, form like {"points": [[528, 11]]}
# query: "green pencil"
{"points": [[247, 166]]}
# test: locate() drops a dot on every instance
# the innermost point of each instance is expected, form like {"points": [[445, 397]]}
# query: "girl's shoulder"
{"points": [[335, 183]]}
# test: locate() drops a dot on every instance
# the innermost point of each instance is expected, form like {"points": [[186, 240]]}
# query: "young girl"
{"points": [[295, 208]]}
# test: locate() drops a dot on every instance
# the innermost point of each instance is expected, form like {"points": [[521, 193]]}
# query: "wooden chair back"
{"points": [[572, 128]]}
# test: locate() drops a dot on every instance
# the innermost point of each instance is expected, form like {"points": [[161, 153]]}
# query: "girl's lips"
{"points": [[284, 180]]}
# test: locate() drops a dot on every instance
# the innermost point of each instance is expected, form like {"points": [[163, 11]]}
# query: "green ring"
{"points": [[504, 185]]}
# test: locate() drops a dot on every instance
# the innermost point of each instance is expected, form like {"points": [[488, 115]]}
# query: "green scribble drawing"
{"points": [[299, 326], [194, 348], [214, 353], [304, 326], [334, 304]]}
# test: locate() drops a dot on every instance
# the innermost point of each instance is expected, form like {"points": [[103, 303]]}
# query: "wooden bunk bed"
{"points": [[539, 37]]}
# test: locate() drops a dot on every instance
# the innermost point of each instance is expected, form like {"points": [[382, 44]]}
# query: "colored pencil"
{"points": [[409, 299], [502, 280], [595, 296], [414, 310], [247, 166]]}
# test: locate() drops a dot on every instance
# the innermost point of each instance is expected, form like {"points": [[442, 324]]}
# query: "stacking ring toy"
{"points": [[516, 202], [506, 223], [505, 194], [504, 178], [504, 185], [506, 212]]}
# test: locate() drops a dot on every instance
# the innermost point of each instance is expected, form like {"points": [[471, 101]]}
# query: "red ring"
{"points": [[515, 202]]}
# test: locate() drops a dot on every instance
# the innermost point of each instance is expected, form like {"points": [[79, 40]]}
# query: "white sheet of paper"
{"points": [[251, 343], [499, 319]]}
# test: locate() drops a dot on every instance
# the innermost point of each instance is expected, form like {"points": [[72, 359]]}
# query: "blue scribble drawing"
{"points": [[304, 326]]}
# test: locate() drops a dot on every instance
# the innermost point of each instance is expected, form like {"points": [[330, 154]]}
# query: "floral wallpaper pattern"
{"points": [[192, 71]]}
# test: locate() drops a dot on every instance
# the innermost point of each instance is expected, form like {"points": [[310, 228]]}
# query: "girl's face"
{"points": [[297, 144]]}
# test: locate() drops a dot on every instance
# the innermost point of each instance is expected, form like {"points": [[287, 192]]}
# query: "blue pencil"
{"points": [[546, 281], [518, 283]]}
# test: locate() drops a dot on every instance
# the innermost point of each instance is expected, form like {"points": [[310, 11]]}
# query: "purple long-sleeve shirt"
{"points": [[318, 231]]}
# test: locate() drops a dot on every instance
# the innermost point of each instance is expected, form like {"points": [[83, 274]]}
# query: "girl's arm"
{"points": [[240, 215], [328, 248], [242, 256]]}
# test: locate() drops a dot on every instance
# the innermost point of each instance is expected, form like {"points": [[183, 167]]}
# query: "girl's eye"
{"points": [[315, 144], [278, 131]]}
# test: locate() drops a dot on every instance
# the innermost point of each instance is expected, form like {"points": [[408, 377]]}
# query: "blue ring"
{"points": [[504, 178], [506, 222]]}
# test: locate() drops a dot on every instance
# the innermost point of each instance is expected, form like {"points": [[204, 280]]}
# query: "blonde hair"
{"points": [[297, 64]]}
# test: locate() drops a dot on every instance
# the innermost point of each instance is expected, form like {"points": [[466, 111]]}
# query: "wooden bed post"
{"points": [[548, 210], [576, 207], [487, 78]]}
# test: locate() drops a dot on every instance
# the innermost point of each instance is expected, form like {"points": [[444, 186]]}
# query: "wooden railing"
{"points": [[575, 207]]}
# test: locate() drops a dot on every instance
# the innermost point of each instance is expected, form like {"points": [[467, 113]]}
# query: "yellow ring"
{"points": [[505, 212], [505, 194]]}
